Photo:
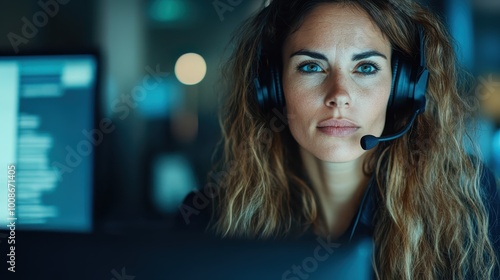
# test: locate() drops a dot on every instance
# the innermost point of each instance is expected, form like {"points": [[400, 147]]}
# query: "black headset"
{"points": [[409, 82]]}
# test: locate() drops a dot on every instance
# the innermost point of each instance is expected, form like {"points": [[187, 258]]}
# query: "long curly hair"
{"points": [[432, 222]]}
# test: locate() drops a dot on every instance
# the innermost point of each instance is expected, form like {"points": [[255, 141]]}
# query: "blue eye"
{"points": [[310, 68], [367, 69]]}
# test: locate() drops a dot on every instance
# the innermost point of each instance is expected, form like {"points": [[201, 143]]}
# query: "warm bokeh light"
{"points": [[190, 68], [488, 92]]}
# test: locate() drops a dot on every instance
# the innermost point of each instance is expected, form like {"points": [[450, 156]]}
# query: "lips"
{"points": [[338, 127], [337, 123]]}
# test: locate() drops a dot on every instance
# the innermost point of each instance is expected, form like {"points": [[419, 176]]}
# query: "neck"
{"points": [[337, 181], [340, 188]]}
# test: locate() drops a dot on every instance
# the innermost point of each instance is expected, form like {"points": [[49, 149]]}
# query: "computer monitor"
{"points": [[47, 112]]}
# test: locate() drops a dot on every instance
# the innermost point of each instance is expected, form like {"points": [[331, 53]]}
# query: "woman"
{"points": [[429, 206]]}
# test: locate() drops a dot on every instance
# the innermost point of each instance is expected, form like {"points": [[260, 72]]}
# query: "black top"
{"points": [[196, 210]]}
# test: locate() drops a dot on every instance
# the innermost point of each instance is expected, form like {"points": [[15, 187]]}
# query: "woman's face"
{"points": [[337, 81]]}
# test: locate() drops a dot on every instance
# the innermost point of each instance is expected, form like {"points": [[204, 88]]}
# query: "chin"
{"points": [[339, 154], [335, 158]]}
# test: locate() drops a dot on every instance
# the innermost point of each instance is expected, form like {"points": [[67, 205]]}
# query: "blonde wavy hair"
{"points": [[432, 222]]}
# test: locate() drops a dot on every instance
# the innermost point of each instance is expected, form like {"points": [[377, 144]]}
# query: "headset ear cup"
{"points": [[395, 70], [261, 93], [277, 93], [410, 76], [268, 90], [403, 86]]}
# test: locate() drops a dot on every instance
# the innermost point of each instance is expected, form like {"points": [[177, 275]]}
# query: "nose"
{"points": [[338, 91]]}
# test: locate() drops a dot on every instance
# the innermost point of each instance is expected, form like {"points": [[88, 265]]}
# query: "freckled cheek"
{"points": [[299, 91], [300, 108], [378, 109], [299, 112]]}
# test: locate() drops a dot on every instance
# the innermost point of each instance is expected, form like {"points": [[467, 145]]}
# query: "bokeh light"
{"points": [[190, 68]]}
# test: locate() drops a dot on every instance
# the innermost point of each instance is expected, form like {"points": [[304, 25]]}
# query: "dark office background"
{"points": [[171, 135], [163, 147], [175, 126]]}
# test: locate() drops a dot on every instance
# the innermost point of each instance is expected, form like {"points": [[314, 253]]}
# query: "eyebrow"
{"points": [[367, 54], [355, 57], [312, 54]]}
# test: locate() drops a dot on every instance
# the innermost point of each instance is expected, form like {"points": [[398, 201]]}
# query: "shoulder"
{"points": [[490, 191], [196, 210], [491, 198]]}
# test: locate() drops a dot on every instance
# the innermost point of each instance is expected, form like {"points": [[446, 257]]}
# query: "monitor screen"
{"points": [[47, 112]]}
